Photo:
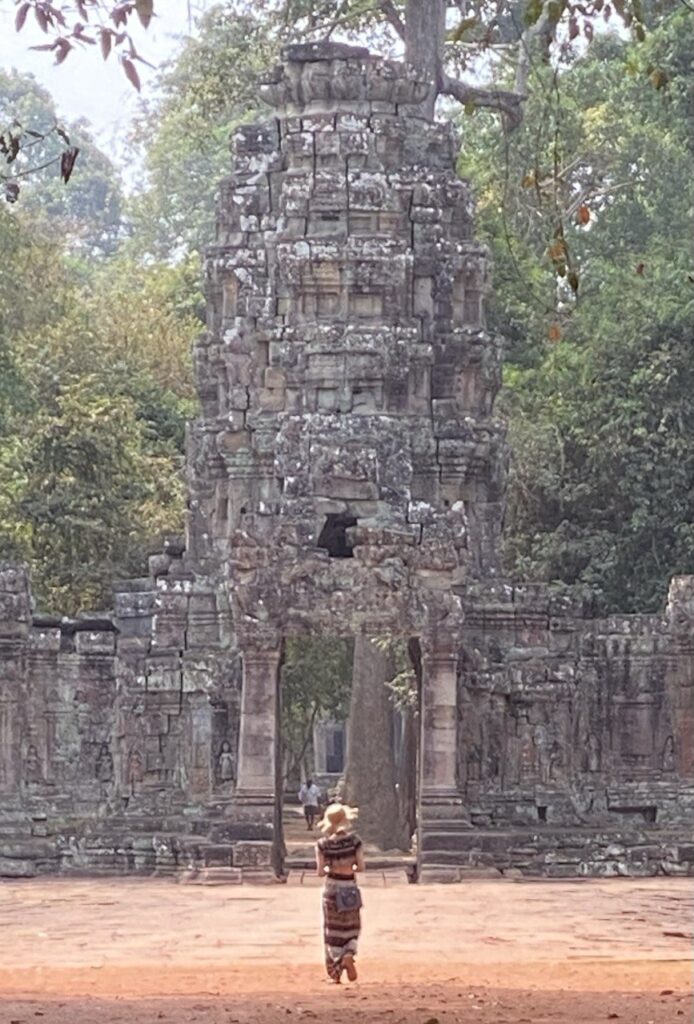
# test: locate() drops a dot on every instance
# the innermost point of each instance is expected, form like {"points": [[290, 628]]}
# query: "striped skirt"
{"points": [[341, 929]]}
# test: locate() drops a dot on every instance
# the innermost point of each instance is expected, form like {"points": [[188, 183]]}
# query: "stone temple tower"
{"points": [[346, 477], [347, 472]]}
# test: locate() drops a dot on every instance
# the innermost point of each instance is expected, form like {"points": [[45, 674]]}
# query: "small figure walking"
{"points": [[309, 797], [339, 855]]}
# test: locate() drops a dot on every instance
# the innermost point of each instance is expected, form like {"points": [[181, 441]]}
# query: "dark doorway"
{"points": [[333, 537], [349, 723]]}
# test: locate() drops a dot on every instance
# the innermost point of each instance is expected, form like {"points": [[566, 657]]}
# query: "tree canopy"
{"points": [[599, 337]]}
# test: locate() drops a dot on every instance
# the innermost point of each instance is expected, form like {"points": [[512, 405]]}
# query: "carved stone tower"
{"points": [[346, 477], [347, 472]]}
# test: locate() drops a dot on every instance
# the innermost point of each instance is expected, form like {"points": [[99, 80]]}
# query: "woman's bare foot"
{"points": [[350, 966]]}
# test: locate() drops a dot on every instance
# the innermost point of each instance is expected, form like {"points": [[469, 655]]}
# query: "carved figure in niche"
{"points": [[591, 759], [492, 764], [225, 763], [527, 758], [474, 763], [136, 769], [669, 759], [541, 754], [556, 762], [104, 765], [33, 770]]}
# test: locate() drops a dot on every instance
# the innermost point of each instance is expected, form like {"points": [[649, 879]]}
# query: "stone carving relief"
{"points": [[135, 770], [33, 768], [669, 757], [226, 764], [591, 756], [104, 765]]}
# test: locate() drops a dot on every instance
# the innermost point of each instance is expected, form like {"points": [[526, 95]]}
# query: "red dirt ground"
{"points": [[145, 952]]}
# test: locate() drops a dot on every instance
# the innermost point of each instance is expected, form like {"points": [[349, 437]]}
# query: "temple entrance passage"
{"points": [[349, 732]]}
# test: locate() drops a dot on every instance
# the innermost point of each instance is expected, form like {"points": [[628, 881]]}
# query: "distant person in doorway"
{"points": [[339, 856], [309, 797]]}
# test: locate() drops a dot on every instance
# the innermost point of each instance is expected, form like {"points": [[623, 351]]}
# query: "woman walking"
{"points": [[339, 855]]}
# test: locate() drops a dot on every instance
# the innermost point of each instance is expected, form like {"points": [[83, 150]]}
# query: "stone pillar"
{"points": [[441, 811], [258, 728], [439, 721]]}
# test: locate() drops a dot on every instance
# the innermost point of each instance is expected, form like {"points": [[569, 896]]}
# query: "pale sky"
{"points": [[85, 86]]}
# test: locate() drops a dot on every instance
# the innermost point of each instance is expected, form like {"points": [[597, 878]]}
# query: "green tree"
{"points": [[82, 482], [183, 136], [316, 683], [88, 212], [598, 380], [92, 422]]}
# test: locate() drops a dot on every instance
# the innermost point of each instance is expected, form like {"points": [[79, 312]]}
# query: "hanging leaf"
{"points": [[659, 79], [640, 269], [106, 42], [42, 18], [21, 17], [145, 11], [63, 48], [573, 281], [67, 163], [11, 191], [640, 32], [574, 29], [554, 333], [131, 72], [557, 251], [583, 214], [529, 180]]}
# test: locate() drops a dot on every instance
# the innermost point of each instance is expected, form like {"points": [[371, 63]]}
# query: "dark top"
{"points": [[339, 850]]}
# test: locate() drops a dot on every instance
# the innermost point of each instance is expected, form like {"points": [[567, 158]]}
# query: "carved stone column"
{"points": [[258, 727], [442, 814], [439, 720]]}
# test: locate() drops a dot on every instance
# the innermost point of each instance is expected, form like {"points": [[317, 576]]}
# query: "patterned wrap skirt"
{"points": [[341, 928]]}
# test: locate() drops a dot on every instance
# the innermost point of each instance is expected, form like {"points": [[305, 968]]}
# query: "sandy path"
{"points": [[140, 952]]}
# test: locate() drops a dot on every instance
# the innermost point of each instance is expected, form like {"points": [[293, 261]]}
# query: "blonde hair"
{"points": [[336, 817]]}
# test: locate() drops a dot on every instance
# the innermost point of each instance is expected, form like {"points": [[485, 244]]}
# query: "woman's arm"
{"points": [[359, 859], [320, 862]]}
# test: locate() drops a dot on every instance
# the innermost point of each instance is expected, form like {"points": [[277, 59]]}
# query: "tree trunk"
{"points": [[407, 774], [425, 36], [370, 776]]}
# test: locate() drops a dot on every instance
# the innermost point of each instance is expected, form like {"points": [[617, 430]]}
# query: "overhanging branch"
{"points": [[390, 11], [510, 104]]}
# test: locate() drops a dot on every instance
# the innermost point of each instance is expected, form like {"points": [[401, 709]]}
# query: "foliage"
{"points": [[316, 683], [91, 427], [402, 683], [204, 94], [88, 213], [598, 385]]}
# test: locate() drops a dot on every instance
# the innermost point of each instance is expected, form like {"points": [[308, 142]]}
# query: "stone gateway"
{"points": [[346, 477]]}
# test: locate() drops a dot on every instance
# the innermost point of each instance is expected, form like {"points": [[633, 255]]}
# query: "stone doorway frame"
{"points": [[439, 797]]}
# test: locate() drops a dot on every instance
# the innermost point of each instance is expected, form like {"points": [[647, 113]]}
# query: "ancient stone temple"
{"points": [[346, 476]]}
